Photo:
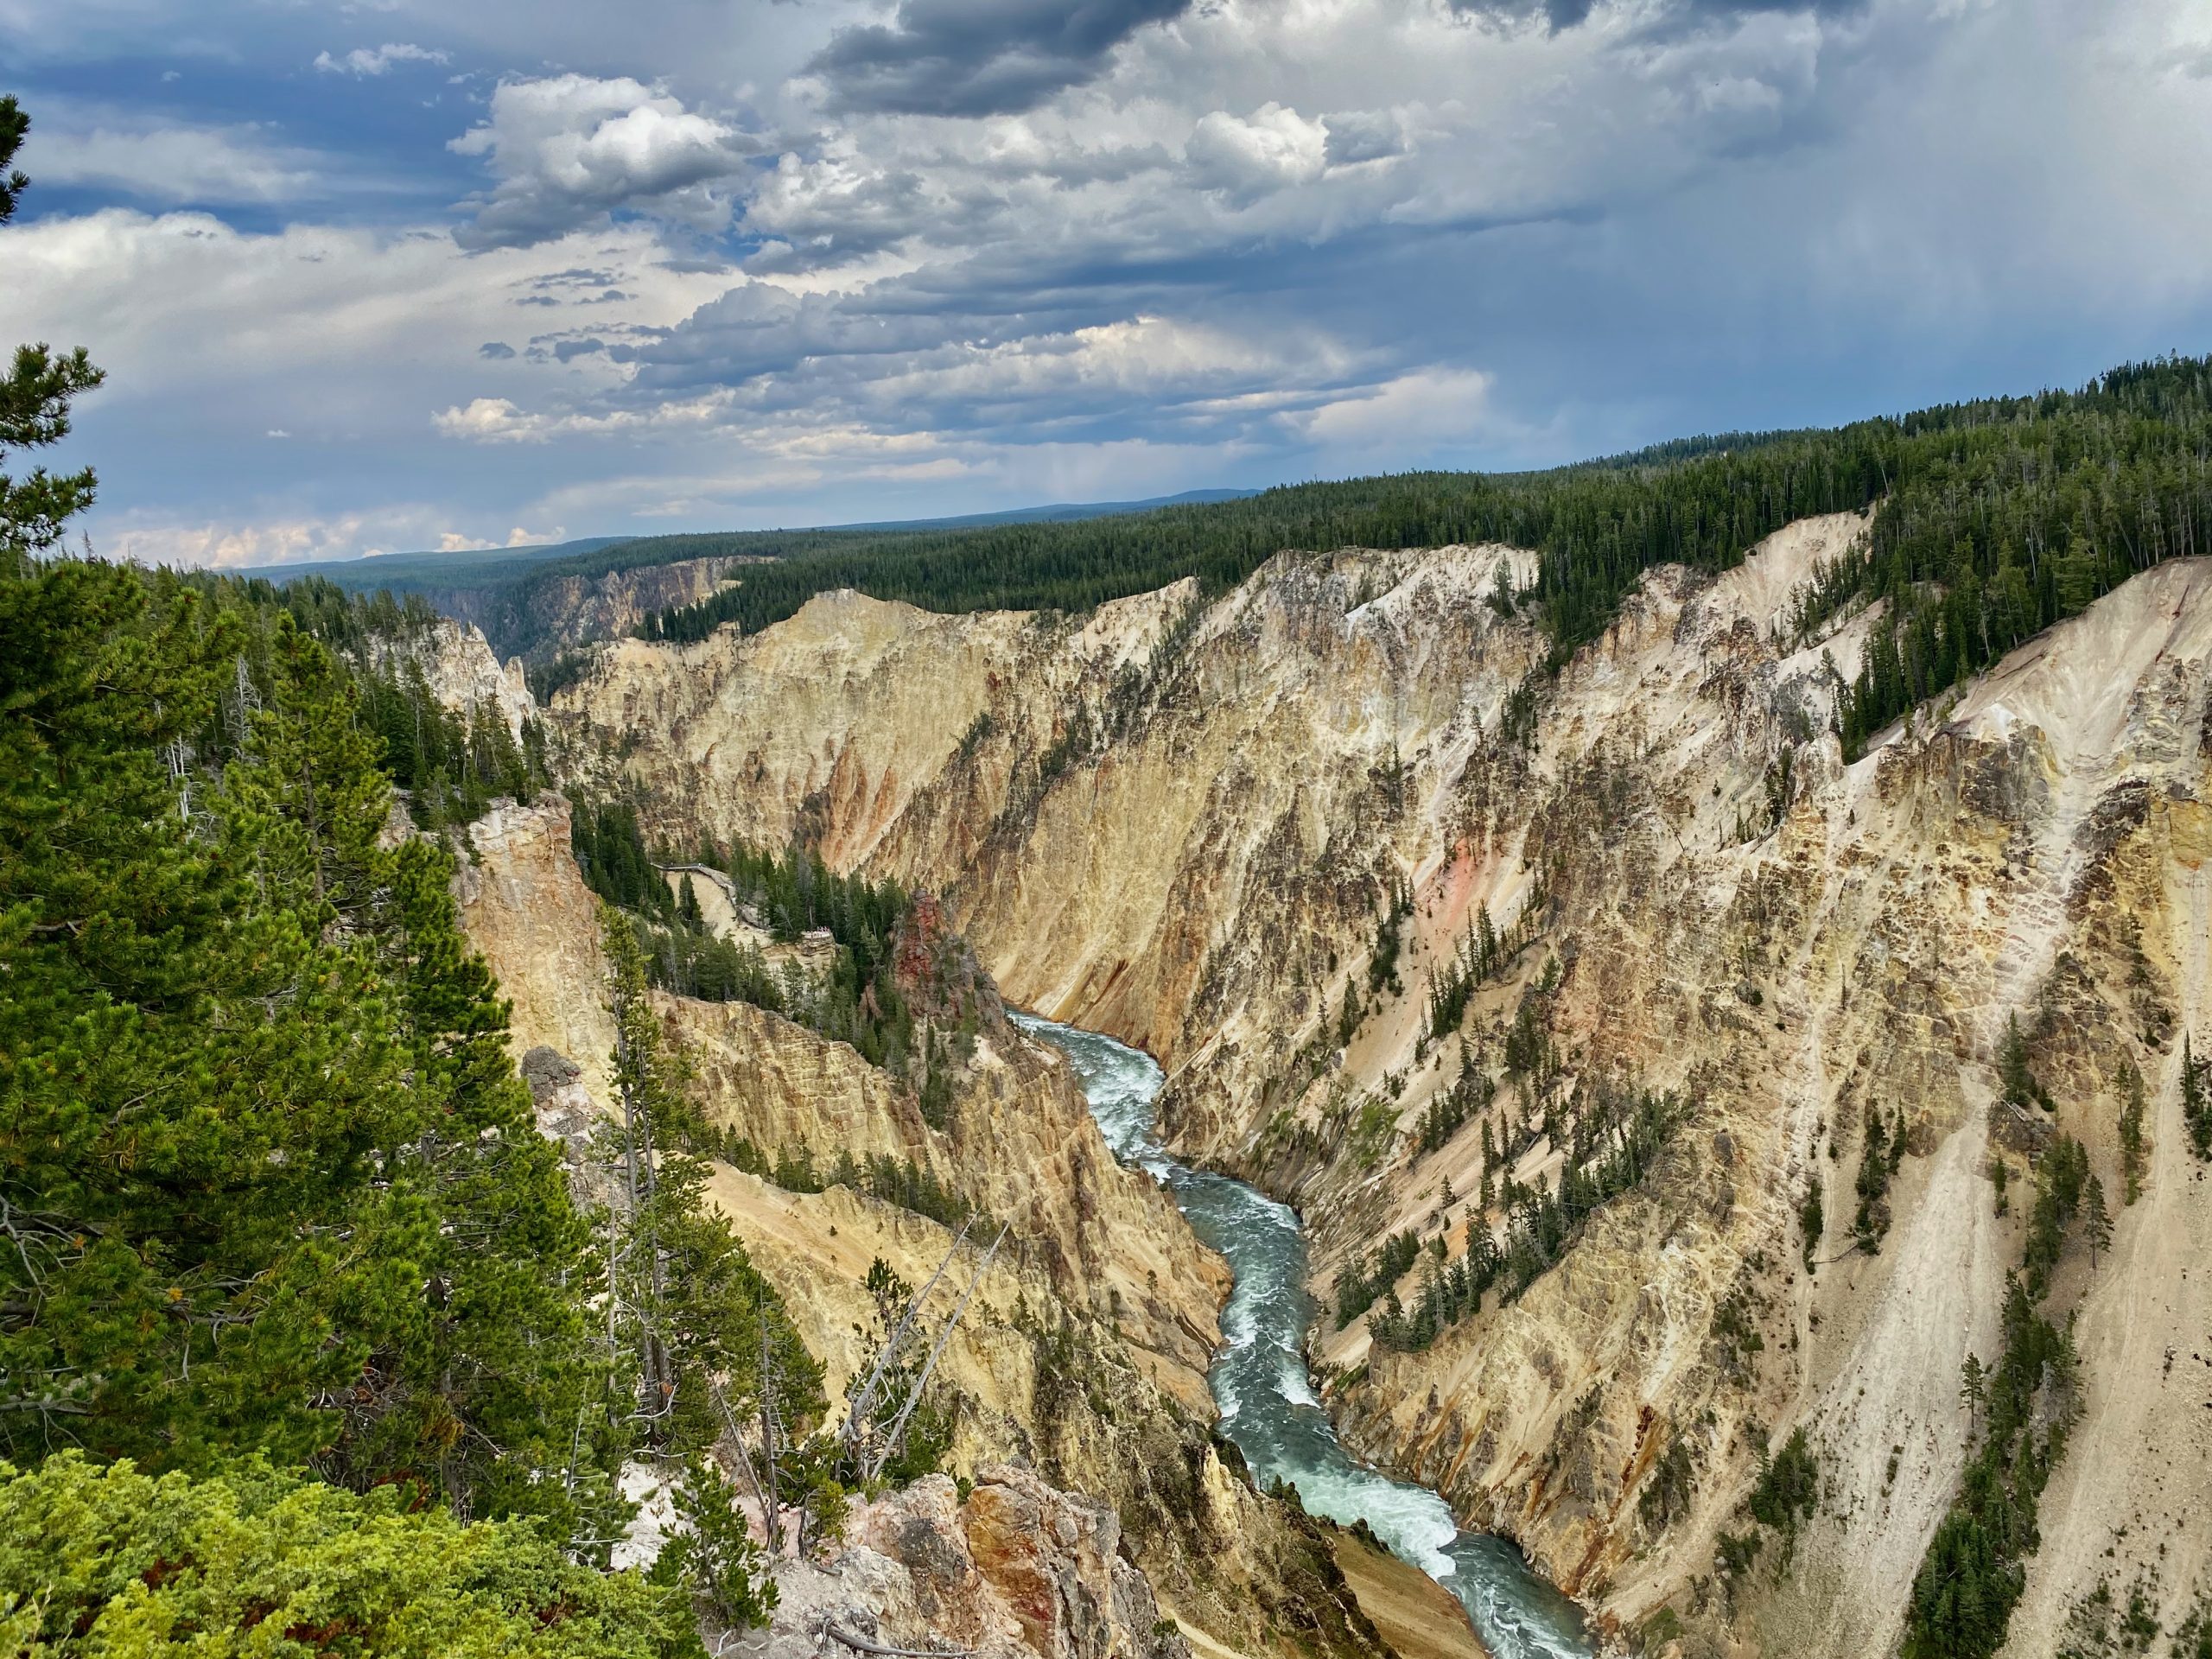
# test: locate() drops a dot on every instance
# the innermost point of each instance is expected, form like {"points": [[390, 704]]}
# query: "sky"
{"points": [[400, 275]]}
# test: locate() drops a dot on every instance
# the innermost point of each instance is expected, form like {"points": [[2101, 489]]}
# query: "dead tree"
{"points": [[898, 1432], [861, 1407]]}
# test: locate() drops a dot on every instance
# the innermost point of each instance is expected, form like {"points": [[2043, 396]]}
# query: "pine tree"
{"points": [[2096, 1225], [2131, 1152], [2196, 1100], [35, 398], [2015, 1078]]}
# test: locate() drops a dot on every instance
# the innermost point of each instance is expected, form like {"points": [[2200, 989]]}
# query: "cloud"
{"points": [[567, 150], [1557, 15], [1409, 418], [171, 163], [453, 541], [978, 57], [365, 61], [969, 255], [1247, 157], [1361, 136]]}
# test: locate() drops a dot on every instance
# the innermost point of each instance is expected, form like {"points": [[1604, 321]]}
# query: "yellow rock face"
{"points": [[1084, 1351], [1183, 830]]}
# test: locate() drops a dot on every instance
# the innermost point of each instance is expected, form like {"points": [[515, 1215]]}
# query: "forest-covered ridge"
{"points": [[2073, 489]]}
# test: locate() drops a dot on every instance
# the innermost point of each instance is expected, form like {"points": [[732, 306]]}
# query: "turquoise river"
{"points": [[1260, 1381]]}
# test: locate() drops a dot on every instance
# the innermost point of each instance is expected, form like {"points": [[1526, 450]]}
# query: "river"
{"points": [[1268, 1407]]}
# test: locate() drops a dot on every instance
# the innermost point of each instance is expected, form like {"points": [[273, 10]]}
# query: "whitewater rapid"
{"points": [[1268, 1408]]}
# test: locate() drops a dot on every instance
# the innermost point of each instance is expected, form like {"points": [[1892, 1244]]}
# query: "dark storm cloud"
{"points": [[1558, 14], [979, 57]]}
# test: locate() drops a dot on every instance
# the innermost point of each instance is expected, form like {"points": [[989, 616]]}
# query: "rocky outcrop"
{"points": [[457, 665], [1018, 1144], [526, 909], [1185, 826], [1016, 1568]]}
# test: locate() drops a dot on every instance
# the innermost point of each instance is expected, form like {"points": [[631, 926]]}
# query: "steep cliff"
{"points": [[459, 668], [1204, 826], [1084, 1350], [557, 611]]}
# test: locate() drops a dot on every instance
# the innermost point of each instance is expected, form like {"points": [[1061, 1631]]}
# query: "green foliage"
{"points": [[1361, 1284], [1527, 1040], [2097, 1627], [2196, 1100], [858, 1000], [2134, 1156], [1811, 1221], [110, 1561], [2096, 1219], [1483, 953], [277, 1183], [2005, 515], [2016, 1081], [1878, 1161], [1787, 1491], [1668, 1490], [715, 1554], [1963, 1595], [694, 1316], [2193, 1638], [1598, 526], [35, 398], [925, 1436], [610, 850], [1616, 1138], [1382, 959], [1735, 1333], [892, 1181], [1471, 1091], [450, 765], [1736, 1553], [2061, 1174]]}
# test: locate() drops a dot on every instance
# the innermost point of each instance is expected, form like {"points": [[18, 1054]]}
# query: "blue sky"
{"points": [[396, 275]]}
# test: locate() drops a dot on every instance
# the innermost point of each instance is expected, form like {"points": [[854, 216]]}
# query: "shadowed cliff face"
{"points": [[1182, 825]]}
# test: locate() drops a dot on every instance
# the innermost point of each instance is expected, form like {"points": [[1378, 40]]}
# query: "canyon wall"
{"points": [[1185, 821], [1083, 1352]]}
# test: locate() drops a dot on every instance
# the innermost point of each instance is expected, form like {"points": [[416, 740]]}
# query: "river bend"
{"points": [[1268, 1408]]}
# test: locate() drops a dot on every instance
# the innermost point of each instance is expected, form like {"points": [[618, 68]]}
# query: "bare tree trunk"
{"points": [[914, 1398], [864, 1399]]}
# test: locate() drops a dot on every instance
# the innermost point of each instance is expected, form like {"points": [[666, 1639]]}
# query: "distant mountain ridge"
{"points": [[408, 571]]}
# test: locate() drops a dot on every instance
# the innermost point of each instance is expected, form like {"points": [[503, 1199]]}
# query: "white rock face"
{"points": [[463, 675]]}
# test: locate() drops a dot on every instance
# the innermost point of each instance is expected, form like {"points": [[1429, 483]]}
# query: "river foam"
{"points": [[1268, 1407]]}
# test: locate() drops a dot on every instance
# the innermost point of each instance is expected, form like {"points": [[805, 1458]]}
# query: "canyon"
{"points": [[1252, 832]]}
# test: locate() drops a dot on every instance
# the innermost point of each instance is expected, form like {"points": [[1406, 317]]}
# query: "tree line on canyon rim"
{"points": [[1992, 520]]}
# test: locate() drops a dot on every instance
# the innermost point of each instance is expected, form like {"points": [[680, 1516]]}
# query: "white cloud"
{"points": [[168, 162], [453, 541], [1249, 157], [567, 150], [364, 60], [1406, 418]]}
